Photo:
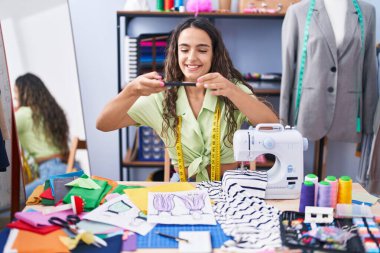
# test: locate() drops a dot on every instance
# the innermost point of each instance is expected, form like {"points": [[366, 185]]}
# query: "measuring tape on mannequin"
{"points": [[304, 54], [215, 148]]}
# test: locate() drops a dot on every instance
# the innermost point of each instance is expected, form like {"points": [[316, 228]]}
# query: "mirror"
{"points": [[38, 40]]}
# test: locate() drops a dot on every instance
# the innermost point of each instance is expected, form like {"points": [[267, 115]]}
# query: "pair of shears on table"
{"points": [[71, 224]]}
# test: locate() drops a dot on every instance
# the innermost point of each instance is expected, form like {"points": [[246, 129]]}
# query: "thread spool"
{"points": [[324, 194], [178, 4], [334, 189], [307, 195], [168, 5], [313, 178], [345, 190], [160, 5]]}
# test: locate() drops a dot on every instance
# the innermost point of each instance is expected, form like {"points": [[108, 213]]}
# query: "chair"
{"points": [[76, 144]]}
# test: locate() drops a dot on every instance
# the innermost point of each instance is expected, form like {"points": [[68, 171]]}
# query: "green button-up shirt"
{"points": [[195, 132]]}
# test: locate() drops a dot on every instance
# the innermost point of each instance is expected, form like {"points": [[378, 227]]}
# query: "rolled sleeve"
{"points": [[147, 111]]}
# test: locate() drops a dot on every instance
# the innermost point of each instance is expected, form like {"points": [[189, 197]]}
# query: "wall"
{"points": [[95, 41]]}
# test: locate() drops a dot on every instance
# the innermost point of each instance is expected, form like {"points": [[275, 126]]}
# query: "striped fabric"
{"points": [[253, 225], [254, 182]]}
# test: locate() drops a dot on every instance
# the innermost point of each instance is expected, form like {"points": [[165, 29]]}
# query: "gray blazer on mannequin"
{"points": [[334, 77]]}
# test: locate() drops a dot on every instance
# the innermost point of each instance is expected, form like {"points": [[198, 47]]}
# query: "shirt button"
{"points": [[330, 89], [333, 69]]}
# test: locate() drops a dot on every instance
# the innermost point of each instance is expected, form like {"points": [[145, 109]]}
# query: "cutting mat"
{"points": [[152, 240]]}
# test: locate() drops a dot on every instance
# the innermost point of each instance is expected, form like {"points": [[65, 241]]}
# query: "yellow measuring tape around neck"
{"points": [[215, 148]]}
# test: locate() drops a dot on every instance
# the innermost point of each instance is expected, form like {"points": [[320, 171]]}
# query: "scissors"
{"points": [[71, 224]]}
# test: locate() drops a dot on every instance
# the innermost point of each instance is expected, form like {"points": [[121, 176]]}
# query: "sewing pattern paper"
{"points": [[185, 207], [251, 223], [121, 212]]}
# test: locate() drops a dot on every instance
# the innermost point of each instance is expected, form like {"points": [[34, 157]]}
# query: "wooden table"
{"points": [[283, 205]]}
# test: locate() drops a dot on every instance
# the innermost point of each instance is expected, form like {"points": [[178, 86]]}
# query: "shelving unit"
{"points": [[261, 88]]}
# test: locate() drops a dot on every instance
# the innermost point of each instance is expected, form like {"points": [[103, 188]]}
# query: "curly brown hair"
{"points": [[46, 112], [221, 62]]}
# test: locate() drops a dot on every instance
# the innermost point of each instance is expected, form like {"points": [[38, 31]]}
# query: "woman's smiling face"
{"points": [[194, 53]]}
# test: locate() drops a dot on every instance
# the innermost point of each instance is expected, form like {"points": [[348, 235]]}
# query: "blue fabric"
{"points": [[3, 238], [114, 245]]}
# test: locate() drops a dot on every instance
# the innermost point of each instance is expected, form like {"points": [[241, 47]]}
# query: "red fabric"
{"points": [[25, 226], [78, 204], [47, 194]]}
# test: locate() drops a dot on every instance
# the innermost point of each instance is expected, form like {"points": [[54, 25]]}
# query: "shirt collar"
{"points": [[210, 101], [182, 102], [183, 105]]}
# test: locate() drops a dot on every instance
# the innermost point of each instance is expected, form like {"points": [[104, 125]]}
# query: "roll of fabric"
{"points": [[254, 182]]}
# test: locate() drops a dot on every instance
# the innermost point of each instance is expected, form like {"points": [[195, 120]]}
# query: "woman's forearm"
{"points": [[115, 113]]}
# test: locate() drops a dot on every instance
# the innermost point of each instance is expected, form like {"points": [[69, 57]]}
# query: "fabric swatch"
{"points": [[61, 189], [254, 182], [44, 201], [34, 198], [109, 181], [47, 194], [71, 174], [251, 223], [28, 242], [4, 233], [38, 219], [120, 188], [25, 226], [129, 241], [114, 246], [91, 197], [86, 183]]}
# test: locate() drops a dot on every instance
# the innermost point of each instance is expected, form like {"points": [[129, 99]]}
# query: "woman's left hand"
{"points": [[219, 85]]}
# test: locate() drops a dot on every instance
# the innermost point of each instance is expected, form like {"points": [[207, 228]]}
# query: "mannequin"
{"points": [[336, 9], [329, 86]]}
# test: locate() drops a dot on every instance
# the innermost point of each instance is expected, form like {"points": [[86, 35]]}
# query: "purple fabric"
{"points": [[130, 244]]}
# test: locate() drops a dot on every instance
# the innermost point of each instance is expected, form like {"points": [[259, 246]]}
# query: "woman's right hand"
{"points": [[147, 84]]}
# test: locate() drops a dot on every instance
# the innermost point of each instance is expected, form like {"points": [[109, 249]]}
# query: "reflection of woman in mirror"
{"points": [[42, 128], [219, 103]]}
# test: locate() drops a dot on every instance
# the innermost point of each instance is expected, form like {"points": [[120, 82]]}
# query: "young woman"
{"points": [[189, 118], [42, 128]]}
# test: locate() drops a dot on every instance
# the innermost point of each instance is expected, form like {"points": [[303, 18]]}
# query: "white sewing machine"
{"points": [[287, 144]]}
